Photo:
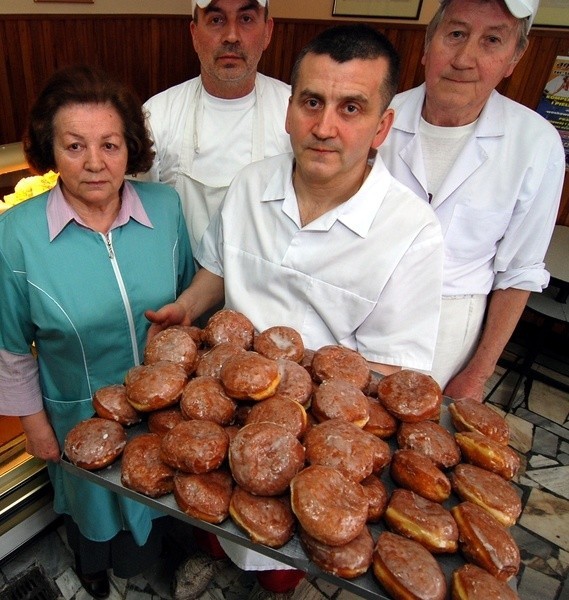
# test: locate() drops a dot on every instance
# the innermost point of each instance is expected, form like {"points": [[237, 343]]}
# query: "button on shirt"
{"points": [[366, 274]]}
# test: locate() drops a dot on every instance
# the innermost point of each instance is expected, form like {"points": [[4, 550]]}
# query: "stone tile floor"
{"points": [[540, 432]]}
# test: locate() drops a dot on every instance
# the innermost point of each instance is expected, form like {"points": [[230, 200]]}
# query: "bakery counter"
{"points": [[292, 553]]}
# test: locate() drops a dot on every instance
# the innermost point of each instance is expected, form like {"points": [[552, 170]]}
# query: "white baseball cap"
{"points": [[206, 3], [521, 9]]}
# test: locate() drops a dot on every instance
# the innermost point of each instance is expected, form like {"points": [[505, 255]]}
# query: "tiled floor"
{"points": [[540, 432]]}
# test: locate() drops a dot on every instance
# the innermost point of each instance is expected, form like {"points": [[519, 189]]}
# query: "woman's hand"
{"points": [[40, 437]]}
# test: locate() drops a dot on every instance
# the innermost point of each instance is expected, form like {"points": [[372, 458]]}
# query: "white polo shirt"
{"points": [[366, 275]]}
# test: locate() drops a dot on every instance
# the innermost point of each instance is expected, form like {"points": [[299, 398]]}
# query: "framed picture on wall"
{"points": [[394, 9], [553, 13], [69, 1]]}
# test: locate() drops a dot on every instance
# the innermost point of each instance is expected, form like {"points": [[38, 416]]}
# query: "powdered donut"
{"points": [[339, 362], [205, 399], [264, 457], [195, 446], [204, 496], [142, 469], [329, 506], [173, 344], [229, 326], [279, 342], [410, 396], [110, 402], [155, 386], [95, 443], [266, 520]]}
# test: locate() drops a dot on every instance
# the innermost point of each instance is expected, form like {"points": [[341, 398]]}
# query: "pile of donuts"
{"points": [[253, 427]]}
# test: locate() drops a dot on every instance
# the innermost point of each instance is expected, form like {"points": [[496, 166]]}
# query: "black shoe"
{"points": [[95, 584]]}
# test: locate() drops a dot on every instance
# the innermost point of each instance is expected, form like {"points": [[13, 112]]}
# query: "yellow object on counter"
{"points": [[28, 187]]}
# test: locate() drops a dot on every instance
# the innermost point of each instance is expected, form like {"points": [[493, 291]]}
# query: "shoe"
{"points": [[260, 593], [194, 575], [95, 584]]}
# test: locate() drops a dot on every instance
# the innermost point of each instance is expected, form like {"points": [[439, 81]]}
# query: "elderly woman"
{"points": [[78, 267]]}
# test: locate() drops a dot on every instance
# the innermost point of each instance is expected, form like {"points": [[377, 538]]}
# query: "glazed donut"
{"points": [[489, 491], [229, 326], [432, 440], [264, 457], [469, 415], [485, 542], [210, 362], [296, 383], [250, 376], [195, 446], [142, 469], [266, 520], [282, 411], [204, 398], [422, 520], [161, 421], [173, 344], [306, 361], [279, 342], [380, 422], [418, 473], [110, 402], [484, 452], [339, 362], [95, 443], [336, 398], [204, 496], [195, 332], [348, 561], [470, 582], [329, 506], [155, 386], [344, 446], [377, 497], [407, 570], [410, 396]]}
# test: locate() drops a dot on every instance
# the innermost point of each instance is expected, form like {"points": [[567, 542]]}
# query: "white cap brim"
{"points": [[521, 9], [206, 3]]}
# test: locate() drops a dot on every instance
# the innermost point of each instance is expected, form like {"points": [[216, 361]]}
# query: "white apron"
{"points": [[200, 201]]}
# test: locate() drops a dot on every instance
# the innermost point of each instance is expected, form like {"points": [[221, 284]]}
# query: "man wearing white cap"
{"points": [[493, 171], [208, 128]]}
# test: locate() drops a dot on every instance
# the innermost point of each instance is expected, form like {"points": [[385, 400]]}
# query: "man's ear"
{"points": [[384, 126]]}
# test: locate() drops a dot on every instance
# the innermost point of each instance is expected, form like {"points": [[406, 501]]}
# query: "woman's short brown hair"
{"points": [[81, 84]]}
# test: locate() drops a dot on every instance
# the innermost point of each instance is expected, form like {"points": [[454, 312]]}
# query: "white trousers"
{"points": [[248, 559], [459, 331]]}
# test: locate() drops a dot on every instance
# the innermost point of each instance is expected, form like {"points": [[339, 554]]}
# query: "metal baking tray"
{"points": [[292, 553]]}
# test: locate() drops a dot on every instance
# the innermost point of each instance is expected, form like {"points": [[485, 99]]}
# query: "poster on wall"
{"points": [[397, 9], [554, 103]]}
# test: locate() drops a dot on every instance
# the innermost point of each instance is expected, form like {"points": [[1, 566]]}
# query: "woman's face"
{"points": [[90, 153]]}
